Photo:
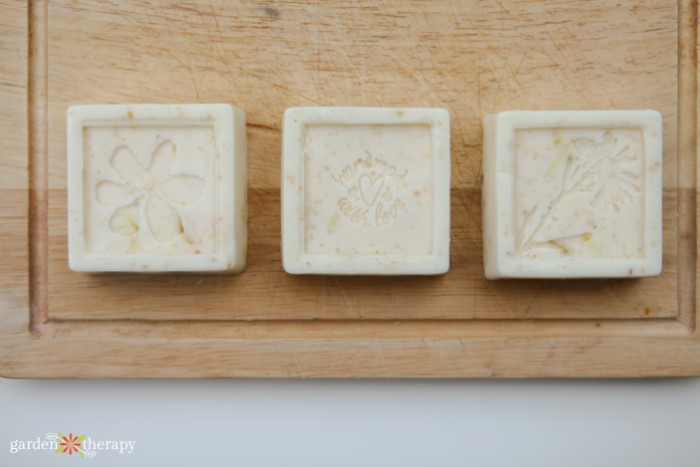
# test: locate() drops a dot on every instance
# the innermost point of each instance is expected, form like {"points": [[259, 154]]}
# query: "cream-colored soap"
{"points": [[572, 194], [365, 190], [155, 188]]}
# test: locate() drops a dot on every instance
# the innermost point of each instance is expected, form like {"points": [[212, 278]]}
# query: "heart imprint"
{"points": [[370, 187]]}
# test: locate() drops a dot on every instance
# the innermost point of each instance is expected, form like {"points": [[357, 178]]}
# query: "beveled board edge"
{"points": [[41, 347]]}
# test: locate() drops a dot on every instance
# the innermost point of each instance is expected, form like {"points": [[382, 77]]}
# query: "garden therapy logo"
{"points": [[70, 444], [80, 445]]}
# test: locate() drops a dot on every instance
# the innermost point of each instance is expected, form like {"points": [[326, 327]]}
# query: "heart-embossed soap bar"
{"points": [[366, 191]]}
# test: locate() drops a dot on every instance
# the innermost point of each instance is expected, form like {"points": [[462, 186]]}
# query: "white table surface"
{"points": [[361, 423]]}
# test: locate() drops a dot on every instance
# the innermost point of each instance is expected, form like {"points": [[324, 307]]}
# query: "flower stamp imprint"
{"points": [[148, 194], [603, 170], [372, 191]]}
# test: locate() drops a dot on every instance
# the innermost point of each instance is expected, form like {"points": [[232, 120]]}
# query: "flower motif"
{"points": [[613, 168], [70, 444], [148, 192], [595, 167]]}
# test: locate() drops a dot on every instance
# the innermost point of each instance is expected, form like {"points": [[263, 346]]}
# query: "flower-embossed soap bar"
{"points": [[156, 188], [365, 190], [572, 194]]}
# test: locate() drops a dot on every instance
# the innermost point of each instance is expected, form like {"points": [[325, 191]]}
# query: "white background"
{"points": [[361, 423]]}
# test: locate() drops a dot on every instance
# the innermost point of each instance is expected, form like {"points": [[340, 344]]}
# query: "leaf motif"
{"points": [[579, 237], [568, 168], [621, 155], [623, 195], [524, 230], [81, 438], [127, 166], [599, 197], [58, 450], [182, 189], [628, 175], [126, 220], [162, 161], [586, 184], [113, 194], [163, 220]]}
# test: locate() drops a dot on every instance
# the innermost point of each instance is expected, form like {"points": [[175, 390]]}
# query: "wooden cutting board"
{"points": [[471, 57]]}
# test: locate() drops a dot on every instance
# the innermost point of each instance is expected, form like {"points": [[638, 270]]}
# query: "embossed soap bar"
{"points": [[572, 194], [156, 188], [365, 190]]}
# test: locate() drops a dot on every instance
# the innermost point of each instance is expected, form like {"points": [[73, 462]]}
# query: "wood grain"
{"points": [[14, 181], [461, 56], [473, 58]]}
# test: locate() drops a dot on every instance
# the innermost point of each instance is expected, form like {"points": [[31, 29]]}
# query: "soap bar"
{"points": [[572, 194], [154, 188], [365, 190]]}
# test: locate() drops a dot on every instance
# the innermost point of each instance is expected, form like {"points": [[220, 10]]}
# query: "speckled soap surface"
{"points": [[572, 194], [365, 190], [156, 188]]}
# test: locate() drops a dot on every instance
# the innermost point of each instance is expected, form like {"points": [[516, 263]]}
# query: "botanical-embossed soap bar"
{"points": [[156, 188], [365, 190], [572, 194]]}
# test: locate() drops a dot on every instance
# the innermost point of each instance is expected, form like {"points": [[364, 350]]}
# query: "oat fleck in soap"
{"points": [[365, 190], [154, 188], [572, 194]]}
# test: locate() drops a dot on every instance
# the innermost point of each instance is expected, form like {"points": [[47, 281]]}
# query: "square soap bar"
{"points": [[572, 194], [155, 188], [365, 190]]}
